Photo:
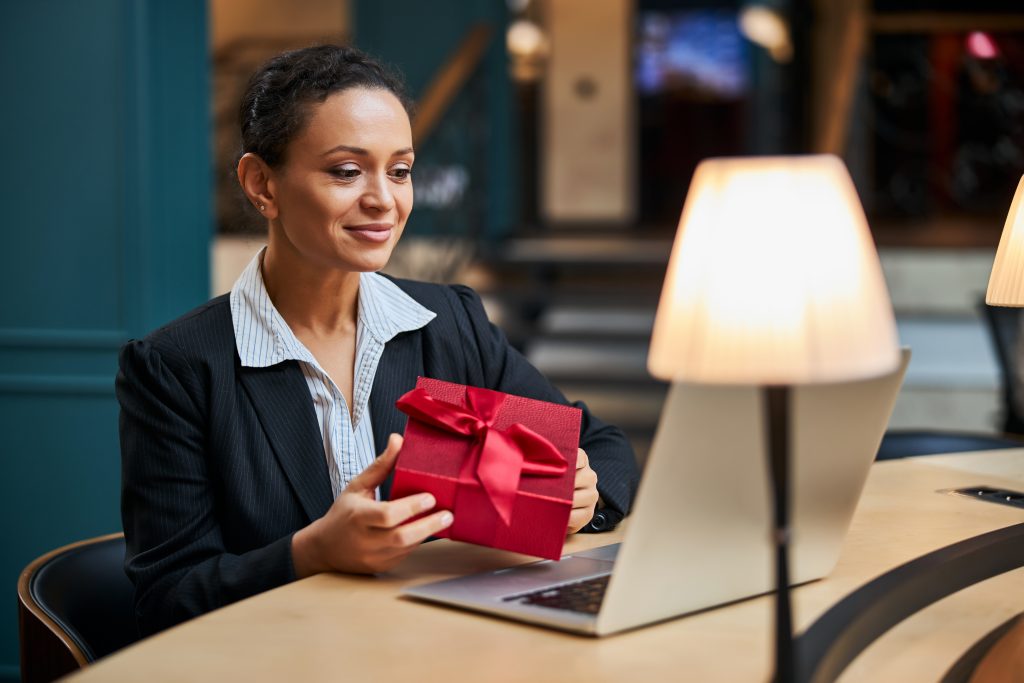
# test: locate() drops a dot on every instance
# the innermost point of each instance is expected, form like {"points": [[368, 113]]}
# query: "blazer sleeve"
{"points": [[505, 369], [175, 553]]}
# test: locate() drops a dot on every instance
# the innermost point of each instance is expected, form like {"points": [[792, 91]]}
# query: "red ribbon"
{"points": [[499, 456]]}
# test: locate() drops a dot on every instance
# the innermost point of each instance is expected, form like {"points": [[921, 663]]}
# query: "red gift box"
{"points": [[504, 465]]}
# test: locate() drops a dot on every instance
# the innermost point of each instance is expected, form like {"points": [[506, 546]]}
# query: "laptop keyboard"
{"points": [[581, 596]]}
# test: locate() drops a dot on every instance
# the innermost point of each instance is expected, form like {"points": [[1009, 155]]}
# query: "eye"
{"points": [[401, 173], [346, 172]]}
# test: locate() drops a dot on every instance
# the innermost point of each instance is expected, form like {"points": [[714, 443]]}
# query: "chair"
{"points": [[75, 605], [908, 443], [1004, 330]]}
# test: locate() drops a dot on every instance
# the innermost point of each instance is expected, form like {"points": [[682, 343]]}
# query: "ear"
{"points": [[256, 179]]}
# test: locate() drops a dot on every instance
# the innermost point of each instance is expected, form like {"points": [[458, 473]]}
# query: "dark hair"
{"points": [[276, 102]]}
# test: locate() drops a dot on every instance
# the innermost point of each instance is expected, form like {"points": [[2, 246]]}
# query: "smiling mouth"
{"points": [[372, 232]]}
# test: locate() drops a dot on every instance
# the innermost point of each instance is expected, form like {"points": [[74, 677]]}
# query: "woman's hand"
{"points": [[363, 535], [584, 497]]}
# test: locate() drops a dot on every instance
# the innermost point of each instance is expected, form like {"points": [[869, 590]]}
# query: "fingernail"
{"points": [[447, 519], [427, 502]]}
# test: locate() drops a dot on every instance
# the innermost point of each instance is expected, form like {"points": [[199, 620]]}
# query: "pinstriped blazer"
{"points": [[221, 463]]}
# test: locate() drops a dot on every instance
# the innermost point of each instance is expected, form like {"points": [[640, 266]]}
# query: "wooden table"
{"points": [[337, 627]]}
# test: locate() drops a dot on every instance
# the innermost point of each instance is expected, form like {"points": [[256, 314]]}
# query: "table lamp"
{"points": [[1006, 283], [774, 281]]}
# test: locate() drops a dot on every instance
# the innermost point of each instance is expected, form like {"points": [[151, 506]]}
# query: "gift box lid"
{"points": [[439, 451]]}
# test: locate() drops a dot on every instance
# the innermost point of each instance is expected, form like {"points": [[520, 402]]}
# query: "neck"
{"points": [[311, 298]]}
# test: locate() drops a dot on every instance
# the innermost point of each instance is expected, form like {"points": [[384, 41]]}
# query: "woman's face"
{"points": [[344, 191]]}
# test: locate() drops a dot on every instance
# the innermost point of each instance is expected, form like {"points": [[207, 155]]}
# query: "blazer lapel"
{"points": [[399, 366], [281, 398]]}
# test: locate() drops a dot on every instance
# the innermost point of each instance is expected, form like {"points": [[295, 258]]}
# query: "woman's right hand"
{"points": [[363, 535]]}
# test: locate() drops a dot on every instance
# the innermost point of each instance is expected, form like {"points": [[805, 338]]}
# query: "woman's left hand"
{"points": [[584, 497]]}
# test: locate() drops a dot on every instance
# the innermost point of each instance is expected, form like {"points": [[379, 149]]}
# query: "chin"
{"points": [[367, 265], [372, 268]]}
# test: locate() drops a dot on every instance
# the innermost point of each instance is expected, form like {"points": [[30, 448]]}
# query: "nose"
{"points": [[378, 195]]}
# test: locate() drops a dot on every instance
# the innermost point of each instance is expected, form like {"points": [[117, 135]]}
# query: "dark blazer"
{"points": [[221, 463]]}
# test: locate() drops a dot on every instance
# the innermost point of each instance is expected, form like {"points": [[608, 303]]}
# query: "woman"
{"points": [[249, 427]]}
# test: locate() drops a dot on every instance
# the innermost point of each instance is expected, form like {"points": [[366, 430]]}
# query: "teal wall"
{"points": [[105, 183], [478, 132]]}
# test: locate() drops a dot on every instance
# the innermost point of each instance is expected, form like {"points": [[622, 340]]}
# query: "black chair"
{"points": [[1004, 330], [908, 443], [75, 605]]}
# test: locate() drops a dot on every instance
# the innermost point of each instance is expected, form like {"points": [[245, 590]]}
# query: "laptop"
{"points": [[699, 532]]}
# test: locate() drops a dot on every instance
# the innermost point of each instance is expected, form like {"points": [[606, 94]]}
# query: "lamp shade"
{"points": [[773, 279], [1006, 283]]}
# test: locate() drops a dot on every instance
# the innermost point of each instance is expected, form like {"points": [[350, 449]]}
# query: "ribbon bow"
{"points": [[499, 456]]}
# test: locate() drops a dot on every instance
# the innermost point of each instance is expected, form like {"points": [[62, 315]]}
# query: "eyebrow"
{"points": [[363, 152]]}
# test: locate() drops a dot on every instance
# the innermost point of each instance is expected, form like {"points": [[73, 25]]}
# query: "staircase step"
{"points": [[594, 321], [584, 251], [633, 408], [593, 362]]}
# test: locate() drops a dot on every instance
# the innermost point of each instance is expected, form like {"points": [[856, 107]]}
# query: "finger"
{"points": [[375, 474], [581, 459], [391, 513], [584, 498], [585, 479], [410, 535], [388, 561], [578, 519]]}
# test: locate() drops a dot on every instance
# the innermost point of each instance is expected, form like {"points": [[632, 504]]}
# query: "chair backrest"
{"points": [[75, 605], [1004, 329], [907, 443]]}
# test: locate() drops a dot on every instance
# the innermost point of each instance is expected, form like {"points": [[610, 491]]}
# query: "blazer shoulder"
{"points": [[205, 331], [451, 303], [425, 293]]}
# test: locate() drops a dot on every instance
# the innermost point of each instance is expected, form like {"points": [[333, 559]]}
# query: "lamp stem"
{"points": [[777, 399]]}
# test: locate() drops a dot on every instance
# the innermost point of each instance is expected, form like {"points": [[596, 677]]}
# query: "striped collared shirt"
{"points": [[263, 338]]}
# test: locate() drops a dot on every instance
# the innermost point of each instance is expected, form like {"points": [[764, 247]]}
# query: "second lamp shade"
{"points": [[1006, 283]]}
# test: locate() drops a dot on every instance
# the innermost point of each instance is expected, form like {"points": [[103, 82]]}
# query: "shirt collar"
{"points": [[386, 311], [263, 338]]}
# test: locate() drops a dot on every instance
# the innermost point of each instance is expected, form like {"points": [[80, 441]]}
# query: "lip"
{"points": [[371, 232]]}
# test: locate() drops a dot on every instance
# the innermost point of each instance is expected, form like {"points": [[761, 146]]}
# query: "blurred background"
{"points": [[555, 143]]}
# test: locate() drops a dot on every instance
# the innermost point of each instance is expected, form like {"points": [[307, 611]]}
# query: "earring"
{"points": [[262, 207]]}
